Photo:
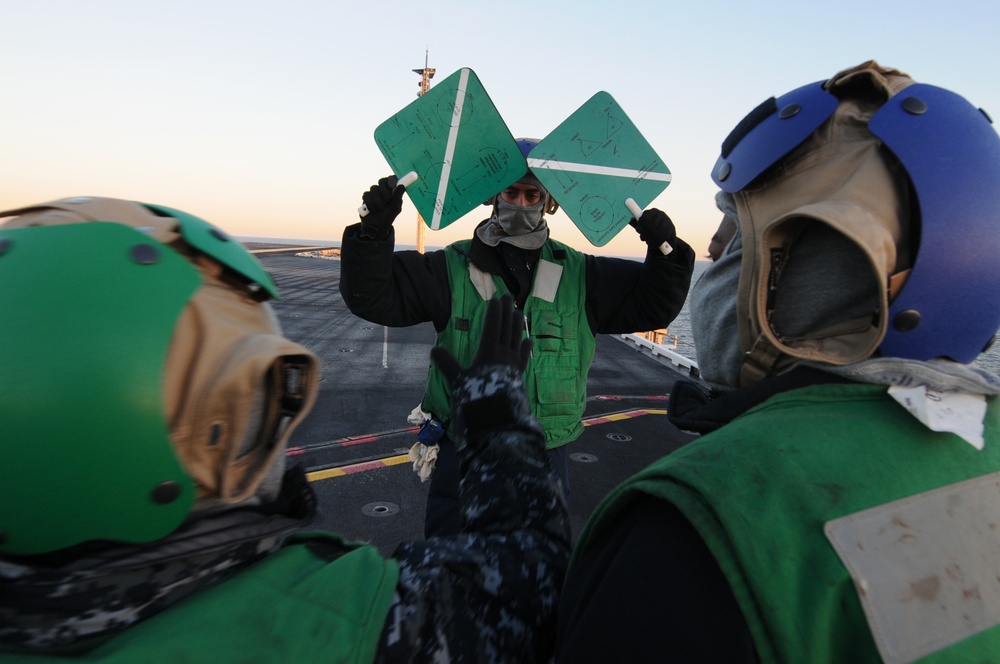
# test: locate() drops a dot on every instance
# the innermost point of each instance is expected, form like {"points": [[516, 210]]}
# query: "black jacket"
{"points": [[400, 288]]}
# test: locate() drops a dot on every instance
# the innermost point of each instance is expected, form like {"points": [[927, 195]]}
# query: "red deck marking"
{"points": [[346, 442], [352, 440], [362, 467]]}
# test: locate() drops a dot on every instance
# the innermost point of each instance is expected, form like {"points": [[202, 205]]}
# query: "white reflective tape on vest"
{"points": [[926, 567]]}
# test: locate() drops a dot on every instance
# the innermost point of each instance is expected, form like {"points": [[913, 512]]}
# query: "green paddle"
{"points": [[596, 162], [454, 144]]}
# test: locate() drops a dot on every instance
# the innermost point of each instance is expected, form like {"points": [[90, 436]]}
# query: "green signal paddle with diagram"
{"points": [[455, 141], [593, 163]]}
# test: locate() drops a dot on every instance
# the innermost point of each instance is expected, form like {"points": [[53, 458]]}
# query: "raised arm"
{"points": [[490, 593], [628, 296], [395, 288]]}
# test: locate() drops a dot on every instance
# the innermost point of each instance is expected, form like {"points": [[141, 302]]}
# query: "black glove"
{"points": [[502, 342], [384, 202], [654, 227]]}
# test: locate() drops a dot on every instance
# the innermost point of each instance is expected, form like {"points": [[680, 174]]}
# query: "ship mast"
{"points": [[426, 74]]}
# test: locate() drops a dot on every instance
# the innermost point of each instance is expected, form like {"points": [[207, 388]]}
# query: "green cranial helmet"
{"points": [[123, 327]]}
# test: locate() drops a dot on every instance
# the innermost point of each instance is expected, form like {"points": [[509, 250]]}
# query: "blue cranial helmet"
{"points": [[944, 155], [527, 145]]}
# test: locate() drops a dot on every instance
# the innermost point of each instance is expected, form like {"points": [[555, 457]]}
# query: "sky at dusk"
{"points": [[258, 116]]}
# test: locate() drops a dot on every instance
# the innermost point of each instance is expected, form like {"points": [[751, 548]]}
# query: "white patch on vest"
{"points": [[547, 278], [483, 282], [925, 567], [960, 413]]}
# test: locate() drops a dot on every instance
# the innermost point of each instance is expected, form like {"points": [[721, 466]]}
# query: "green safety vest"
{"points": [[771, 492], [293, 606], [556, 376]]}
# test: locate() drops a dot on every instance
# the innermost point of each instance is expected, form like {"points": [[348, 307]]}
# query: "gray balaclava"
{"points": [[827, 281], [521, 226]]}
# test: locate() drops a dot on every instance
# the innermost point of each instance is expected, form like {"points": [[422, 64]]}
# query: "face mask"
{"points": [[517, 220]]}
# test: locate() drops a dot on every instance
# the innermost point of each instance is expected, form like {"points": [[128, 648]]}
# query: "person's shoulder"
{"points": [[464, 248], [562, 246]]}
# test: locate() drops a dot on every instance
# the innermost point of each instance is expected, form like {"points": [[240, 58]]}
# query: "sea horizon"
{"points": [[335, 244]]}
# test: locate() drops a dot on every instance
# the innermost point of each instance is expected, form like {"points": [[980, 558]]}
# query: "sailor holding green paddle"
{"points": [[566, 296]]}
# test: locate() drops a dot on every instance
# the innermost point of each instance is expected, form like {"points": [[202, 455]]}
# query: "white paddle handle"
{"points": [[406, 181], [636, 211]]}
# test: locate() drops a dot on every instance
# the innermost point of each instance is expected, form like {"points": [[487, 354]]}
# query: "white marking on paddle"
{"points": [[597, 170], [449, 153]]}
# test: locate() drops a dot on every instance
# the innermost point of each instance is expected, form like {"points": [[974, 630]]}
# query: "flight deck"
{"points": [[354, 442]]}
